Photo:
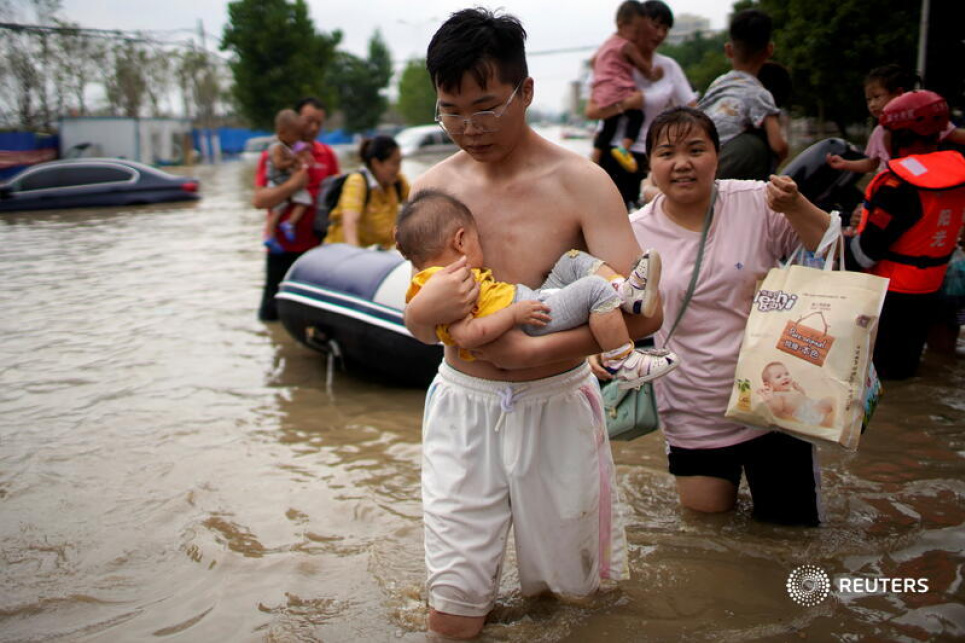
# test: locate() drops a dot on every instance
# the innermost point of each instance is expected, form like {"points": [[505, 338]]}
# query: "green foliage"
{"points": [[702, 58], [279, 57], [830, 46], [359, 84], [417, 96]]}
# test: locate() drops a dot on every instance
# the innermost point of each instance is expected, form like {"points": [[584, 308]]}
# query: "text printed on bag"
{"points": [[771, 300]]}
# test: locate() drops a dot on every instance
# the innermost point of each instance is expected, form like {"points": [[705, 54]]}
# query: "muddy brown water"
{"points": [[172, 469]]}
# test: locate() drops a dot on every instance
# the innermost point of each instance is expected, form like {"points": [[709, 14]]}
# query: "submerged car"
{"points": [[424, 139], [92, 182], [254, 146]]}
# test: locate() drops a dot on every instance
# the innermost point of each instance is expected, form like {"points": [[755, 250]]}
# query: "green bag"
{"points": [[630, 413]]}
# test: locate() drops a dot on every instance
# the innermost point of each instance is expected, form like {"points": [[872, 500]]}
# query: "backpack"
{"points": [[329, 193]]}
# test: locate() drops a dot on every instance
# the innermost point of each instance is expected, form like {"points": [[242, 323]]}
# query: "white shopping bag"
{"points": [[805, 362]]}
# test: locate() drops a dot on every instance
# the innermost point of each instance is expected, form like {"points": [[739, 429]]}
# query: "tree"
{"points": [[200, 84], [360, 83], [129, 81], [701, 58], [417, 96], [278, 57], [159, 73], [830, 46]]}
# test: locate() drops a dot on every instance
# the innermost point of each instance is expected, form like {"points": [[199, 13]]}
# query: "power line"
{"points": [[568, 50], [111, 34], [71, 31]]}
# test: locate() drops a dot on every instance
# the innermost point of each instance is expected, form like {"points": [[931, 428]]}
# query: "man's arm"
{"points": [[447, 297], [268, 197], [608, 235]]}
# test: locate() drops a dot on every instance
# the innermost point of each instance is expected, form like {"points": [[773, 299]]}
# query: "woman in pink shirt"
{"points": [[754, 224]]}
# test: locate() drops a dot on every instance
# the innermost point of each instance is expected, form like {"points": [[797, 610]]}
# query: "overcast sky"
{"points": [[406, 26]]}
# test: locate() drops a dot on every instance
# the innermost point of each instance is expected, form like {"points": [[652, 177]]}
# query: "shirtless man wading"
{"points": [[516, 436]]}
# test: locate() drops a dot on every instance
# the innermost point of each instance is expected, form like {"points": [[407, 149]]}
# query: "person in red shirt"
{"points": [[325, 164]]}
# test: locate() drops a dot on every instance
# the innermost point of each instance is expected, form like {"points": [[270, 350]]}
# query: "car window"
{"points": [[40, 179], [59, 177], [86, 175]]}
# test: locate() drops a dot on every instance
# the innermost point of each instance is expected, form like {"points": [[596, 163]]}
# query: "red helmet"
{"points": [[923, 112]]}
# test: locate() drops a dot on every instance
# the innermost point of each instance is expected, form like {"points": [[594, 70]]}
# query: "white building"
{"points": [[685, 25], [154, 141]]}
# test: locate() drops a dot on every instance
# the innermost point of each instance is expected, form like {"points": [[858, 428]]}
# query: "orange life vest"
{"points": [[917, 261]]}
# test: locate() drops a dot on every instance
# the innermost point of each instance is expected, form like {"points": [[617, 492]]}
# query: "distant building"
{"points": [[685, 25], [155, 141]]}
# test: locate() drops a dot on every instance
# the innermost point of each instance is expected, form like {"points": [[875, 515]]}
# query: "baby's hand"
{"points": [[656, 73], [765, 393], [531, 312], [797, 387]]}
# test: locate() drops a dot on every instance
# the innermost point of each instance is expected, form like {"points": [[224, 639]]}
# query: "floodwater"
{"points": [[173, 470]]}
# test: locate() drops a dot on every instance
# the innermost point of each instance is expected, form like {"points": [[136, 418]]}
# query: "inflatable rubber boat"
{"points": [[825, 187], [347, 302]]}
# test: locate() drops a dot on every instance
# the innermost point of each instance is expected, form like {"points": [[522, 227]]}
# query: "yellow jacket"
{"points": [[379, 214], [493, 295]]}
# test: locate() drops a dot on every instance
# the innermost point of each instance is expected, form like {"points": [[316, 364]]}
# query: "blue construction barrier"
{"points": [[233, 139], [22, 149]]}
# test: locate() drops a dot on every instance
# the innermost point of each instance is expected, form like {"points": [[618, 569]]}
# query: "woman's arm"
{"points": [[808, 220], [350, 226], [595, 112]]}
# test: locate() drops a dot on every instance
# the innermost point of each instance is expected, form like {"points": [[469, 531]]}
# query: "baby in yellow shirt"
{"points": [[435, 229]]}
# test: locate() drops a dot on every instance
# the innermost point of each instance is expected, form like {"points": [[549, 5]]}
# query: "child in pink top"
{"points": [[882, 85], [613, 82]]}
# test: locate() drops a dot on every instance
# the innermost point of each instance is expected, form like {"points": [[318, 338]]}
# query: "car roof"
{"points": [[91, 162], [417, 129]]}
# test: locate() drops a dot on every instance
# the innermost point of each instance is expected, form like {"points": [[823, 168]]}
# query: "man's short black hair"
{"points": [[750, 32], [309, 100], [658, 12], [481, 43]]}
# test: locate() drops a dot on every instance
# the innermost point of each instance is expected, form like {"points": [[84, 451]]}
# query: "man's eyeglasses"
{"points": [[484, 122]]}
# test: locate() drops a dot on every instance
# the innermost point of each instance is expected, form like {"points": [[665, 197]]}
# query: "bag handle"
{"points": [[832, 237], [708, 217]]}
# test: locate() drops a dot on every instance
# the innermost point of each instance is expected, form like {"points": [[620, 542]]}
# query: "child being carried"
{"points": [[435, 229], [613, 82], [284, 156]]}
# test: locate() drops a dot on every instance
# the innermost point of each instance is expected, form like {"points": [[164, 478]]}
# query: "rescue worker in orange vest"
{"points": [[910, 225]]}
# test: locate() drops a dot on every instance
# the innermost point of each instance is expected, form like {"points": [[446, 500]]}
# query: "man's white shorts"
{"points": [[531, 454]]}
